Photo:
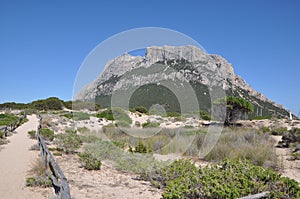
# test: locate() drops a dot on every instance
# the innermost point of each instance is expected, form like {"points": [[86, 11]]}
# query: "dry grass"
{"points": [[37, 168], [245, 144]]}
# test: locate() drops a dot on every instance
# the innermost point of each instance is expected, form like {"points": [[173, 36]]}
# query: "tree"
{"points": [[235, 107]]}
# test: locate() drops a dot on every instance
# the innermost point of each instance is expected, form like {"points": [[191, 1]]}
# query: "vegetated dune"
{"points": [[111, 183]]}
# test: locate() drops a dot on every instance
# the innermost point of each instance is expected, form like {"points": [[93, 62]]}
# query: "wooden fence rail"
{"points": [[12, 126], [53, 171]]}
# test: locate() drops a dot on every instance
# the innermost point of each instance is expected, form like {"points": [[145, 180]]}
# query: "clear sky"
{"points": [[43, 43]]}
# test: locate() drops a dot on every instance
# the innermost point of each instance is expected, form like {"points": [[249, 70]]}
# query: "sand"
{"points": [[104, 183], [15, 161], [290, 169]]}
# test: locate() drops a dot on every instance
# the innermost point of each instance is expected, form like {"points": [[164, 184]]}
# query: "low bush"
{"points": [[150, 125], [205, 115], [279, 131], [140, 148], [68, 141], [89, 161], [228, 179], [265, 129], [47, 134], [6, 119], [77, 116], [32, 134], [38, 175], [245, 144], [38, 181], [1, 134], [124, 161], [117, 114], [141, 109]]}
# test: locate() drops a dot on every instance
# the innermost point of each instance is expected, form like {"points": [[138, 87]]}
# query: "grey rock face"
{"points": [[211, 70]]}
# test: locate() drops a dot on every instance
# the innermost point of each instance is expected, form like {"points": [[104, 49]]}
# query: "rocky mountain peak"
{"points": [[190, 62]]}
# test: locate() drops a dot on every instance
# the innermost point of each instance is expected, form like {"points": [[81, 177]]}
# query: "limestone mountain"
{"points": [[189, 64]]}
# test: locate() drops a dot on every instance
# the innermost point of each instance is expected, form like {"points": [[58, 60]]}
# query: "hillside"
{"points": [[144, 78]]}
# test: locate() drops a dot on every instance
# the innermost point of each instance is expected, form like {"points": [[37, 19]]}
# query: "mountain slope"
{"points": [[182, 64]]}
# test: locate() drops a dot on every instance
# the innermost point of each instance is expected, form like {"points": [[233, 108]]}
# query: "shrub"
{"points": [[141, 109], [117, 114], [279, 131], [77, 116], [39, 178], [6, 119], [1, 134], [123, 124], [204, 115], [265, 129], [52, 103], [69, 141], [89, 161], [124, 161], [83, 130], [228, 179], [140, 148], [38, 181], [173, 114], [47, 134], [151, 125], [32, 134], [245, 144]]}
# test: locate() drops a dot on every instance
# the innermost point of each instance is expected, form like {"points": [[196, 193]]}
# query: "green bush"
{"points": [[69, 141], [38, 181], [265, 129], [141, 109], [204, 115], [124, 161], [228, 179], [151, 125], [279, 131], [6, 119], [51, 103], [173, 114], [140, 148], [117, 114], [77, 116], [1, 134], [32, 134], [47, 134], [89, 161]]}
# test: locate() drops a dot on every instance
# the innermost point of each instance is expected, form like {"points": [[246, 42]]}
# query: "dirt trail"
{"points": [[290, 169], [15, 161]]}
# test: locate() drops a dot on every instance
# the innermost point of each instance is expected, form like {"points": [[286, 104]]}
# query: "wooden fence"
{"points": [[53, 171], [12, 126]]}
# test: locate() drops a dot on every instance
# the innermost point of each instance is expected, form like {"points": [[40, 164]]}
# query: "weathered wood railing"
{"points": [[12, 126], [53, 171]]}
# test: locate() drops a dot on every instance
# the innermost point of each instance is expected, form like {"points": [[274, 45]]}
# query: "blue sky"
{"points": [[43, 43]]}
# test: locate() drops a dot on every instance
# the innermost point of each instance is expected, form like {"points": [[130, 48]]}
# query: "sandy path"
{"points": [[290, 169], [15, 161]]}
